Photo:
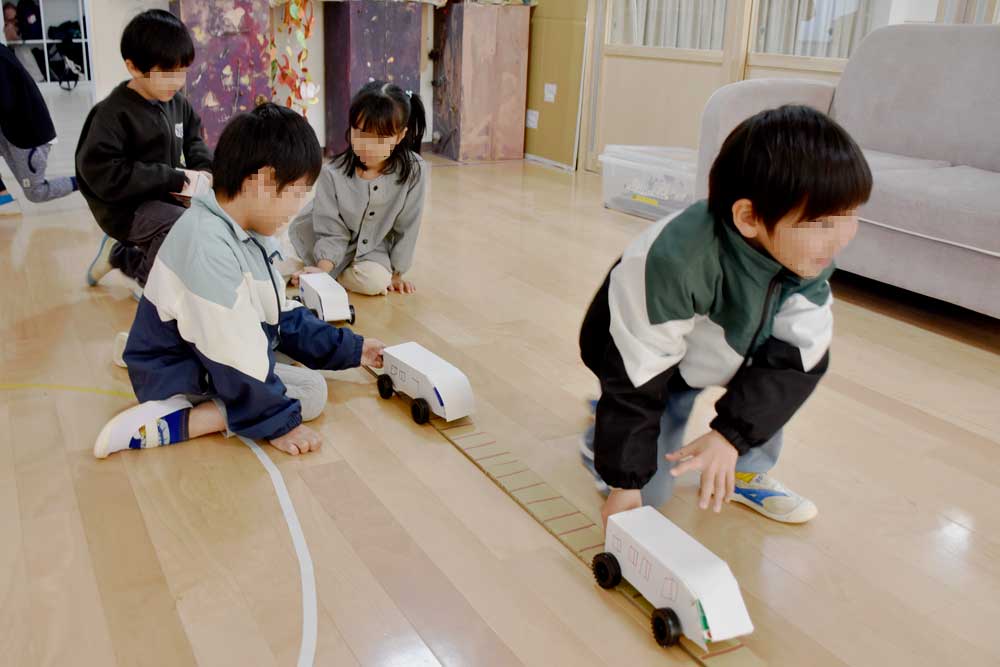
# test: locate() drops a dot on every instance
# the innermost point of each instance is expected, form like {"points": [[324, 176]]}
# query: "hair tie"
{"points": [[409, 93]]}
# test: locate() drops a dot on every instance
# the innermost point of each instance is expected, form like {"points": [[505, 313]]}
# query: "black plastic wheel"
{"points": [[666, 627], [421, 411], [385, 388], [606, 570], [353, 316]]}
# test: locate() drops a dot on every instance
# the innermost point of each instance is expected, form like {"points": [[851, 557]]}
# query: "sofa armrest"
{"points": [[732, 104]]}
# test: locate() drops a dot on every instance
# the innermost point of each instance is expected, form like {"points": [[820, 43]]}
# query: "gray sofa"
{"points": [[923, 101]]}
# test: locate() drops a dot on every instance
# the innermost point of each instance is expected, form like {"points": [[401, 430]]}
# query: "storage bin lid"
{"points": [[668, 156]]}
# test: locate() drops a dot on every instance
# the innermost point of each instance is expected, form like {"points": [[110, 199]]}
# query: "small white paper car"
{"points": [[198, 183], [693, 590], [434, 385], [325, 297]]}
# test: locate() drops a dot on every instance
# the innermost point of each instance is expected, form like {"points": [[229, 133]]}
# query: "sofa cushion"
{"points": [[954, 204], [929, 91], [879, 161]]}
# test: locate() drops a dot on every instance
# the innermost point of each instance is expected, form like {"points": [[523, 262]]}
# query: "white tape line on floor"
{"points": [[307, 649]]}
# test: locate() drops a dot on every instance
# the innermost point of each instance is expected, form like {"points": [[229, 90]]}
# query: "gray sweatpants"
{"points": [[305, 385], [28, 165]]}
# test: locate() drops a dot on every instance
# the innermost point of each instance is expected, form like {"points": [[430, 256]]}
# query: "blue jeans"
{"points": [[675, 417]]}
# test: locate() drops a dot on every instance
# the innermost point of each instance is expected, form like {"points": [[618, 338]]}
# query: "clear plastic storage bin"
{"points": [[648, 181]]}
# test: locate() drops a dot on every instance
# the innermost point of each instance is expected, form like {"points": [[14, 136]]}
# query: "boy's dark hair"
{"points": [[386, 109], [156, 38], [269, 136], [787, 159]]}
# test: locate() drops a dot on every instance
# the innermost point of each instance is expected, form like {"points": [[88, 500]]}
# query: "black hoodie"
{"points": [[24, 118], [130, 152]]}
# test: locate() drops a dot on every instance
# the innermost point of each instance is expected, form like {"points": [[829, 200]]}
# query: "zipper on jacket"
{"points": [[170, 133], [270, 276], [763, 318]]}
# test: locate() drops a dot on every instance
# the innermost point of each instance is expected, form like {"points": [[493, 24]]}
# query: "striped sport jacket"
{"points": [[692, 304], [211, 317]]}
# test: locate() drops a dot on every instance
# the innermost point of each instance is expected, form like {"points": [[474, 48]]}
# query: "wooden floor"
{"points": [[181, 556]]}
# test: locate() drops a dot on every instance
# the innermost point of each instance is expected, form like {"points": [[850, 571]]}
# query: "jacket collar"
{"points": [[209, 203], [756, 264]]}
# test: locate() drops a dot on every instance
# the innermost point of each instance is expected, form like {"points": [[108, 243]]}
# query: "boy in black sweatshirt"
{"points": [[140, 146]]}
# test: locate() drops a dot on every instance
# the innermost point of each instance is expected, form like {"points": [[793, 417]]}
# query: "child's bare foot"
{"points": [[299, 440]]}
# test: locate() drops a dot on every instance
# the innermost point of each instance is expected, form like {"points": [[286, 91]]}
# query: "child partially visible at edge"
{"points": [[362, 226], [731, 292], [212, 343], [26, 136]]}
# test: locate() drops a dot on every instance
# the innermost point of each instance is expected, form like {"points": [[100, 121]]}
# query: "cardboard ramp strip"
{"points": [[567, 524]]}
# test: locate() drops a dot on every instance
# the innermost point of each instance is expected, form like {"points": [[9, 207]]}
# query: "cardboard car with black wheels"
{"points": [[436, 386], [692, 590]]}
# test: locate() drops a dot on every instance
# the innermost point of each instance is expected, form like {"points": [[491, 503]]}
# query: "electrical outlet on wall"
{"points": [[550, 92], [531, 119]]}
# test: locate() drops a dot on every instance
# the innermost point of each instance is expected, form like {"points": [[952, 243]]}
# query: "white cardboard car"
{"points": [[325, 297], [693, 590], [434, 385]]}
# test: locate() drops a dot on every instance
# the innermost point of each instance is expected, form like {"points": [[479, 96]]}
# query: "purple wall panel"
{"points": [[337, 50], [403, 33], [230, 69], [365, 40]]}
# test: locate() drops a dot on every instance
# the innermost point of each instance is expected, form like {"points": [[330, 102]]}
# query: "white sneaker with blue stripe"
{"points": [[769, 497]]}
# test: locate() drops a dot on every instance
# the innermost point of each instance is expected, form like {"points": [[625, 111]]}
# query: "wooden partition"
{"points": [[480, 81]]}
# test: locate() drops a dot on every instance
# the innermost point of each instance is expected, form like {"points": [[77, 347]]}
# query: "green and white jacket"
{"points": [[692, 304]]}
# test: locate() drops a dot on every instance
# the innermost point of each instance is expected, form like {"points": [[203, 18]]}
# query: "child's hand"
{"points": [[715, 457], [620, 500], [371, 353], [401, 286], [299, 440], [183, 197], [307, 269], [195, 182]]}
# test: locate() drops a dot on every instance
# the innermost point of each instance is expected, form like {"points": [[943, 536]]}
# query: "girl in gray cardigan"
{"points": [[362, 225]]}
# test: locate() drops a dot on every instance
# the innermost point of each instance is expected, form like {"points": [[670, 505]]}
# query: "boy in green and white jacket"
{"points": [[731, 292]]}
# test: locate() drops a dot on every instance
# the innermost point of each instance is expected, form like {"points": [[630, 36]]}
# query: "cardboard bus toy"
{"points": [[323, 295], [435, 386], [693, 591]]}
